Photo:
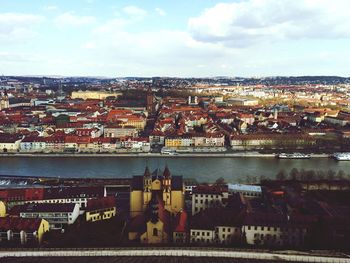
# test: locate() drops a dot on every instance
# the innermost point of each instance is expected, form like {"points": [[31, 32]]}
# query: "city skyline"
{"points": [[197, 39]]}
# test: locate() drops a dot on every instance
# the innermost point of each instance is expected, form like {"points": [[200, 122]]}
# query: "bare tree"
{"points": [[294, 174], [281, 175]]}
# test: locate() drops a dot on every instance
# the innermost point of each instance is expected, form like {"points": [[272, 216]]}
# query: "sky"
{"points": [[182, 38]]}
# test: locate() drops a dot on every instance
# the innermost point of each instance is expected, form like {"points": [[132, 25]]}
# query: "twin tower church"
{"points": [[157, 208]]}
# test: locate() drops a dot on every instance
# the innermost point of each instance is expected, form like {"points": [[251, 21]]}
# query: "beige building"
{"points": [[97, 95], [120, 132]]}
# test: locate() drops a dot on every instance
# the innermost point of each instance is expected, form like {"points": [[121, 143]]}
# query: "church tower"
{"points": [[166, 186], [4, 101], [147, 187], [150, 101]]}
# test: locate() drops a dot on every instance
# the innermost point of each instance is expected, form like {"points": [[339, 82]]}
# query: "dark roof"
{"points": [[19, 224], [73, 192], [210, 189], [212, 217], [19, 100], [101, 203], [46, 207], [166, 172]]}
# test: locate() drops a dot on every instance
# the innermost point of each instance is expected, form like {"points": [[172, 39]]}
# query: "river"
{"points": [[204, 169]]}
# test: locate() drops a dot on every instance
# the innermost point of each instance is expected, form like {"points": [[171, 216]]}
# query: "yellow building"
{"points": [[179, 142], [154, 199], [2, 209], [100, 209], [171, 188]]}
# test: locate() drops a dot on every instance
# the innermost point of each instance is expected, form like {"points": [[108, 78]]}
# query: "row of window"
{"points": [[284, 229], [206, 195]]}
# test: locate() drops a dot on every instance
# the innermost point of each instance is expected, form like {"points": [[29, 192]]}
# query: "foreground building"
{"points": [[22, 231], [57, 215], [100, 209], [157, 208]]}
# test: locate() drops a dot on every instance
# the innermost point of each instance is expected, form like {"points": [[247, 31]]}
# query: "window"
{"points": [[207, 233], [155, 232]]}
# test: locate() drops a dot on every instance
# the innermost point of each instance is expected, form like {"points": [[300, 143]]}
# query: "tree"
{"points": [[294, 174], [330, 174], [310, 175], [220, 181], [281, 175], [321, 175], [341, 175]]}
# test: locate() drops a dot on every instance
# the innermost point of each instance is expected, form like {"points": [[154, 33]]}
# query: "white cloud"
{"points": [[160, 11], [70, 19], [167, 52], [17, 26], [135, 12], [255, 21], [50, 8]]}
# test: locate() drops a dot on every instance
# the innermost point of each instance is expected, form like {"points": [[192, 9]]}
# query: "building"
{"points": [[192, 100], [57, 215], [100, 209], [154, 201], [216, 226], [13, 196], [2, 209], [205, 196], [245, 190], [97, 95], [273, 230], [170, 187], [4, 101], [70, 195], [268, 140], [22, 230], [242, 102], [178, 142], [150, 102], [120, 131], [9, 143]]}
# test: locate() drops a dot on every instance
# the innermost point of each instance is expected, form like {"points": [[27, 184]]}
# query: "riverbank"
{"points": [[147, 155]]}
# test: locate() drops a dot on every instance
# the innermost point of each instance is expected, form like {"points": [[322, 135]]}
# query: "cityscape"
{"points": [[187, 131]]}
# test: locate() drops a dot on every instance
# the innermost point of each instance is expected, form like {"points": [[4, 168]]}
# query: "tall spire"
{"points": [[147, 172], [166, 172]]}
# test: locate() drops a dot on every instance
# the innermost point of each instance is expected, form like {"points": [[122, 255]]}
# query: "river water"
{"points": [[204, 169]]}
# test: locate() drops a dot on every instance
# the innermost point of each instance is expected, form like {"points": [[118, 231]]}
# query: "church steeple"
{"points": [[147, 172], [154, 209], [166, 172], [147, 180]]}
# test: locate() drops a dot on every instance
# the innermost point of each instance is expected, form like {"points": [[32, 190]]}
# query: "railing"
{"points": [[174, 252]]}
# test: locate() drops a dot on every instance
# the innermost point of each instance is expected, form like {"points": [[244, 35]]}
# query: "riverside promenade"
{"points": [[288, 256], [147, 155]]}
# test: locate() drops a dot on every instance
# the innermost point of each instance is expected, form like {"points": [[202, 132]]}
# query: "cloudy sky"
{"points": [[181, 38]]}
